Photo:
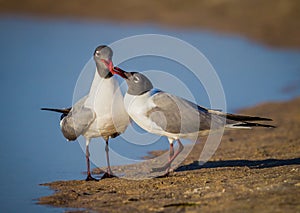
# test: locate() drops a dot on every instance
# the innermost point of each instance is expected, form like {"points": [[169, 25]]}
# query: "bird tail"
{"points": [[245, 117], [64, 110], [242, 121], [248, 125]]}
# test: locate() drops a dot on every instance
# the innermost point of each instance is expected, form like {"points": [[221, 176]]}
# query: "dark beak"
{"points": [[120, 72]]}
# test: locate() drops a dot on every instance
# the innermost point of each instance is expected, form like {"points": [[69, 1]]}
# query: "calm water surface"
{"points": [[41, 61]]}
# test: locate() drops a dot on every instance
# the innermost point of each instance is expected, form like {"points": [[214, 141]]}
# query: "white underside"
{"points": [[138, 106], [106, 100]]}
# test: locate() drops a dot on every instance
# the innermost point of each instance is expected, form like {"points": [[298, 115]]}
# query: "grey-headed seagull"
{"points": [[100, 113], [167, 115]]}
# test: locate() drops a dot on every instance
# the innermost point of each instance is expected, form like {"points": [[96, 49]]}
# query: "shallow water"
{"points": [[41, 61]]}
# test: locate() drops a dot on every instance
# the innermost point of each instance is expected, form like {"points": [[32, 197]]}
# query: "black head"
{"points": [[103, 58], [138, 83]]}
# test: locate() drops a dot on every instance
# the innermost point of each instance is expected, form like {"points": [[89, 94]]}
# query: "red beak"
{"points": [[119, 71], [108, 64], [114, 70]]}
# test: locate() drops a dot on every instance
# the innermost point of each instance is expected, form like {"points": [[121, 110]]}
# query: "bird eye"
{"points": [[136, 79], [97, 53]]}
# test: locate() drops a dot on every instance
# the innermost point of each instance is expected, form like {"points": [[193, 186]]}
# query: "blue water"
{"points": [[41, 61]]}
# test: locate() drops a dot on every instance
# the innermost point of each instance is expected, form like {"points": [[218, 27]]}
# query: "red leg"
{"points": [[171, 151], [87, 156], [180, 148], [172, 157], [109, 173]]}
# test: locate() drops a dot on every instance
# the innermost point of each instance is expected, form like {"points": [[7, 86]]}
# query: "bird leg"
{"points": [[108, 173], [171, 151], [87, 156], [180, 148], [172, 157], [167, 165]]}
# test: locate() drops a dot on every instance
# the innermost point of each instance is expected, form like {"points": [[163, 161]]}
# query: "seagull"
{"points": [[100, 113], [168, 115]]}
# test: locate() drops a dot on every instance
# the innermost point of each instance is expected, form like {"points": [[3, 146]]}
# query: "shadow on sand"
{"points": [[255, 164]]}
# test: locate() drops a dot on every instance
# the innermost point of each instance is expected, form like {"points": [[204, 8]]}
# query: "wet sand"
{"points": [[252, 171], [272, 22]]}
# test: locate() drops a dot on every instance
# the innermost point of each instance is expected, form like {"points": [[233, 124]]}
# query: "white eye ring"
{"points": [[136, 79], [97, 53]]}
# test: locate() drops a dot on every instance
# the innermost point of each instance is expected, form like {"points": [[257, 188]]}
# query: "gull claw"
{"points": [[161, 169], [167, 174], [90, 178], [108, 175]]}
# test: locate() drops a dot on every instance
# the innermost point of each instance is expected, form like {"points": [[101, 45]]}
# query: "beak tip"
{"points": [[119, 71]]}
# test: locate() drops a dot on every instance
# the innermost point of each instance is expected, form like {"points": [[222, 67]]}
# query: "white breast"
{"points": [[106, 100], [137, 108]]}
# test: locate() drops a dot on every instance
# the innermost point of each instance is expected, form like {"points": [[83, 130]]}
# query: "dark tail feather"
{"points": [[245, 118], [235, 117], [247, 124], [64, 111]]}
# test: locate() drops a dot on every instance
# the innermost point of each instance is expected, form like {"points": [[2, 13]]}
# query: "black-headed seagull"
{"points": [[167, 115], [101, 113]]}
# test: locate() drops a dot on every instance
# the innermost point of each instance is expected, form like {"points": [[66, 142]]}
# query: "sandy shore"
{"points": [[252, 171], [273, 22]]}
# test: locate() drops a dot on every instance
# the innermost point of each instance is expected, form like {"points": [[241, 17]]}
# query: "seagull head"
{"points": [[138, 83], [103, 58]]}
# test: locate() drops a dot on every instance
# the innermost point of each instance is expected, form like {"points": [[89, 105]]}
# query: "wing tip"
{"points": [[264, 119], [248, 124], [64, 110]]}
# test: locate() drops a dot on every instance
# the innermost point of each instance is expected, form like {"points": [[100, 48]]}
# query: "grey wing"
{"points": [[77, 121], [177, 115]]}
